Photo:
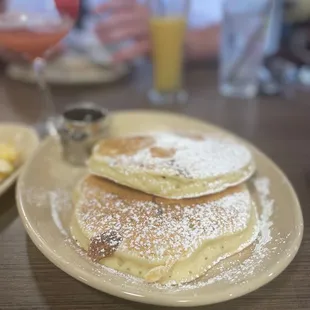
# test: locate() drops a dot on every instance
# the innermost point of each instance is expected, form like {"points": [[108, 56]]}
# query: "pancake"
{"points": [[161, 240], [173, 165]]}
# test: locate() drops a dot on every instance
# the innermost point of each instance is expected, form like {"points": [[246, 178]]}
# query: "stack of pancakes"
{"points": [[165, 206]]}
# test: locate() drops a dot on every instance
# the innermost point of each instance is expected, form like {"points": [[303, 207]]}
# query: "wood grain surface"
{"points": [[279, 127]]}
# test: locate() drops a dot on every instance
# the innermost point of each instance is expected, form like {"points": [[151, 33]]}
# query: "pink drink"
{"points": [[32, 34]]}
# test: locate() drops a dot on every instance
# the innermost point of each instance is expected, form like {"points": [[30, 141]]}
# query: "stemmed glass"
{"points": [[31, 28]]}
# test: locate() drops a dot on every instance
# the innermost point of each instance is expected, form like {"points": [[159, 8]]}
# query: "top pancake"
{"points": [[173, 165]]}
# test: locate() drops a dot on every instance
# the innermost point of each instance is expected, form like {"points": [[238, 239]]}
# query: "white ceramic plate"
{"points": [[45, 206], [25, 140]]}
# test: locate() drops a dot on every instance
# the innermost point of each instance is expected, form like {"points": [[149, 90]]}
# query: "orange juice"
{"points": [[167, 34]]}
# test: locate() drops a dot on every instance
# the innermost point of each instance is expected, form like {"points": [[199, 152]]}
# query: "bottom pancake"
{"points": [[161, 240]]}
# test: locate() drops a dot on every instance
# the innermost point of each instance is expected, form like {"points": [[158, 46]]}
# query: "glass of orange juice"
{"points": [[168, 23]]}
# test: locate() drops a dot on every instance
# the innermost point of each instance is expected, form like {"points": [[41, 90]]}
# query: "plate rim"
{"points": [[8, 182], [243, 288], [22, 75]]}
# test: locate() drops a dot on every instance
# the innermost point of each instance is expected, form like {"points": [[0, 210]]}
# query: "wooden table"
{"points": [[280, 128]]}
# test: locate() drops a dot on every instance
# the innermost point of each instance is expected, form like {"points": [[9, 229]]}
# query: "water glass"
{"points": [[242, 46]]}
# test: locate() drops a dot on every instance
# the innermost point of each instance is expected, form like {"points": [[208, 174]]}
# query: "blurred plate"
{"points": [[71, 69], [25, 140]]}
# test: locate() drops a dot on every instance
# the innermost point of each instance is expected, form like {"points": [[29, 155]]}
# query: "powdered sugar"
{"points": [[234, 274], [59, 201], [231, 271], [262, 186], [208, 157], [158, 230]]}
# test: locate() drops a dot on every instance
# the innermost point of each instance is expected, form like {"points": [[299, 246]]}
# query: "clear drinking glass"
{"points": [[31, 28], [168, 23], [242, 46]]}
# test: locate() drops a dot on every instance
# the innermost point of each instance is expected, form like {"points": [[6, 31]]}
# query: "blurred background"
{"points": [[106, 44]]}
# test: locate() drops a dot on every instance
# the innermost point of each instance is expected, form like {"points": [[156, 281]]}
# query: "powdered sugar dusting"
{"points": [[158, 230], [233, 271], [230, 272], [262, 186], [237, 273], [59, 201], [209, 157]]}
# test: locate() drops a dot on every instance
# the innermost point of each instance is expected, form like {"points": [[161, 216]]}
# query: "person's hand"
{"points": [[127, 20]]}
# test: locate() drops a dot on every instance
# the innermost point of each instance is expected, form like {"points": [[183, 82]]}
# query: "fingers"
{"points": [[115, 5], [128, 21], [117, 20], [121, 34], [124, 25], [138, 49]]}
